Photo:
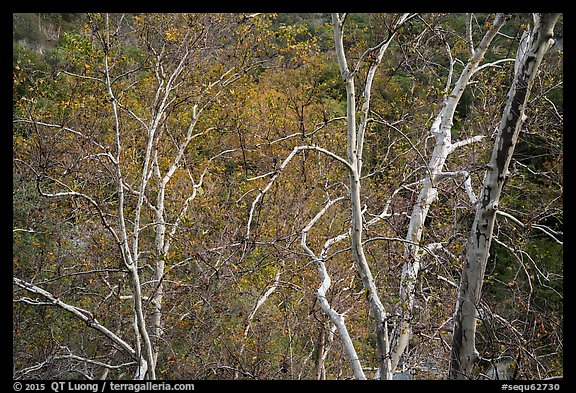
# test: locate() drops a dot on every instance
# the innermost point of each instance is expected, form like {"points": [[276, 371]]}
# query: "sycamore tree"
{"points": [[388, 354], [535, 42], [116, 130], [279, 196], [481, 52]]}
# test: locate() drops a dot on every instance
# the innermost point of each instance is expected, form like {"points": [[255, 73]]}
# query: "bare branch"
{"points": [[451, 63], [330, 242], [383, 45], [89, 199], [259, 303], [250, 16], [337, 318], [467, 182], [78, 312], [80, 76], [427, 249], [391, 125], [469, 17], [72, 131], [94, 362], [21, 373], [492, 64], [23, 230], [282, 166], [464, 142], [549, 232]]}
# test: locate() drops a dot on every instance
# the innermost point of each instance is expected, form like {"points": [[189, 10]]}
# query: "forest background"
{"points": [[186, 196]]}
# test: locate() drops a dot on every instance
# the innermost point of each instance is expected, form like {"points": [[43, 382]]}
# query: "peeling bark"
{"points": [[441, 130], [531, 50]]}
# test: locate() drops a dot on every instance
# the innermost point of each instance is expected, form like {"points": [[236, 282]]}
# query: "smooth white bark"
{"points": [[354, 159], [354, 149], [336, 318], [130, 259]]}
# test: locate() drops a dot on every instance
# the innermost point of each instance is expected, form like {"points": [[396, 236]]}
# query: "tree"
{"points": [[535, 43], [353, 164], [156, 103], [260, 196], [441, 130]]}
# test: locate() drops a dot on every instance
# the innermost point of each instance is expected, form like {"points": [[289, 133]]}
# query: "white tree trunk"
{"points": [[352, 150], [130, 257], [441, 130], [533, 45], [355, 141]]}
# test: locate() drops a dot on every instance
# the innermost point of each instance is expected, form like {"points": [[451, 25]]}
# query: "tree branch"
{"points": [[493, 64], [94, 362], [78, 312], [467, 183], [282, 166], [72, 131], [259, 303], [541, 228], [337, 318], [464, 142]]}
